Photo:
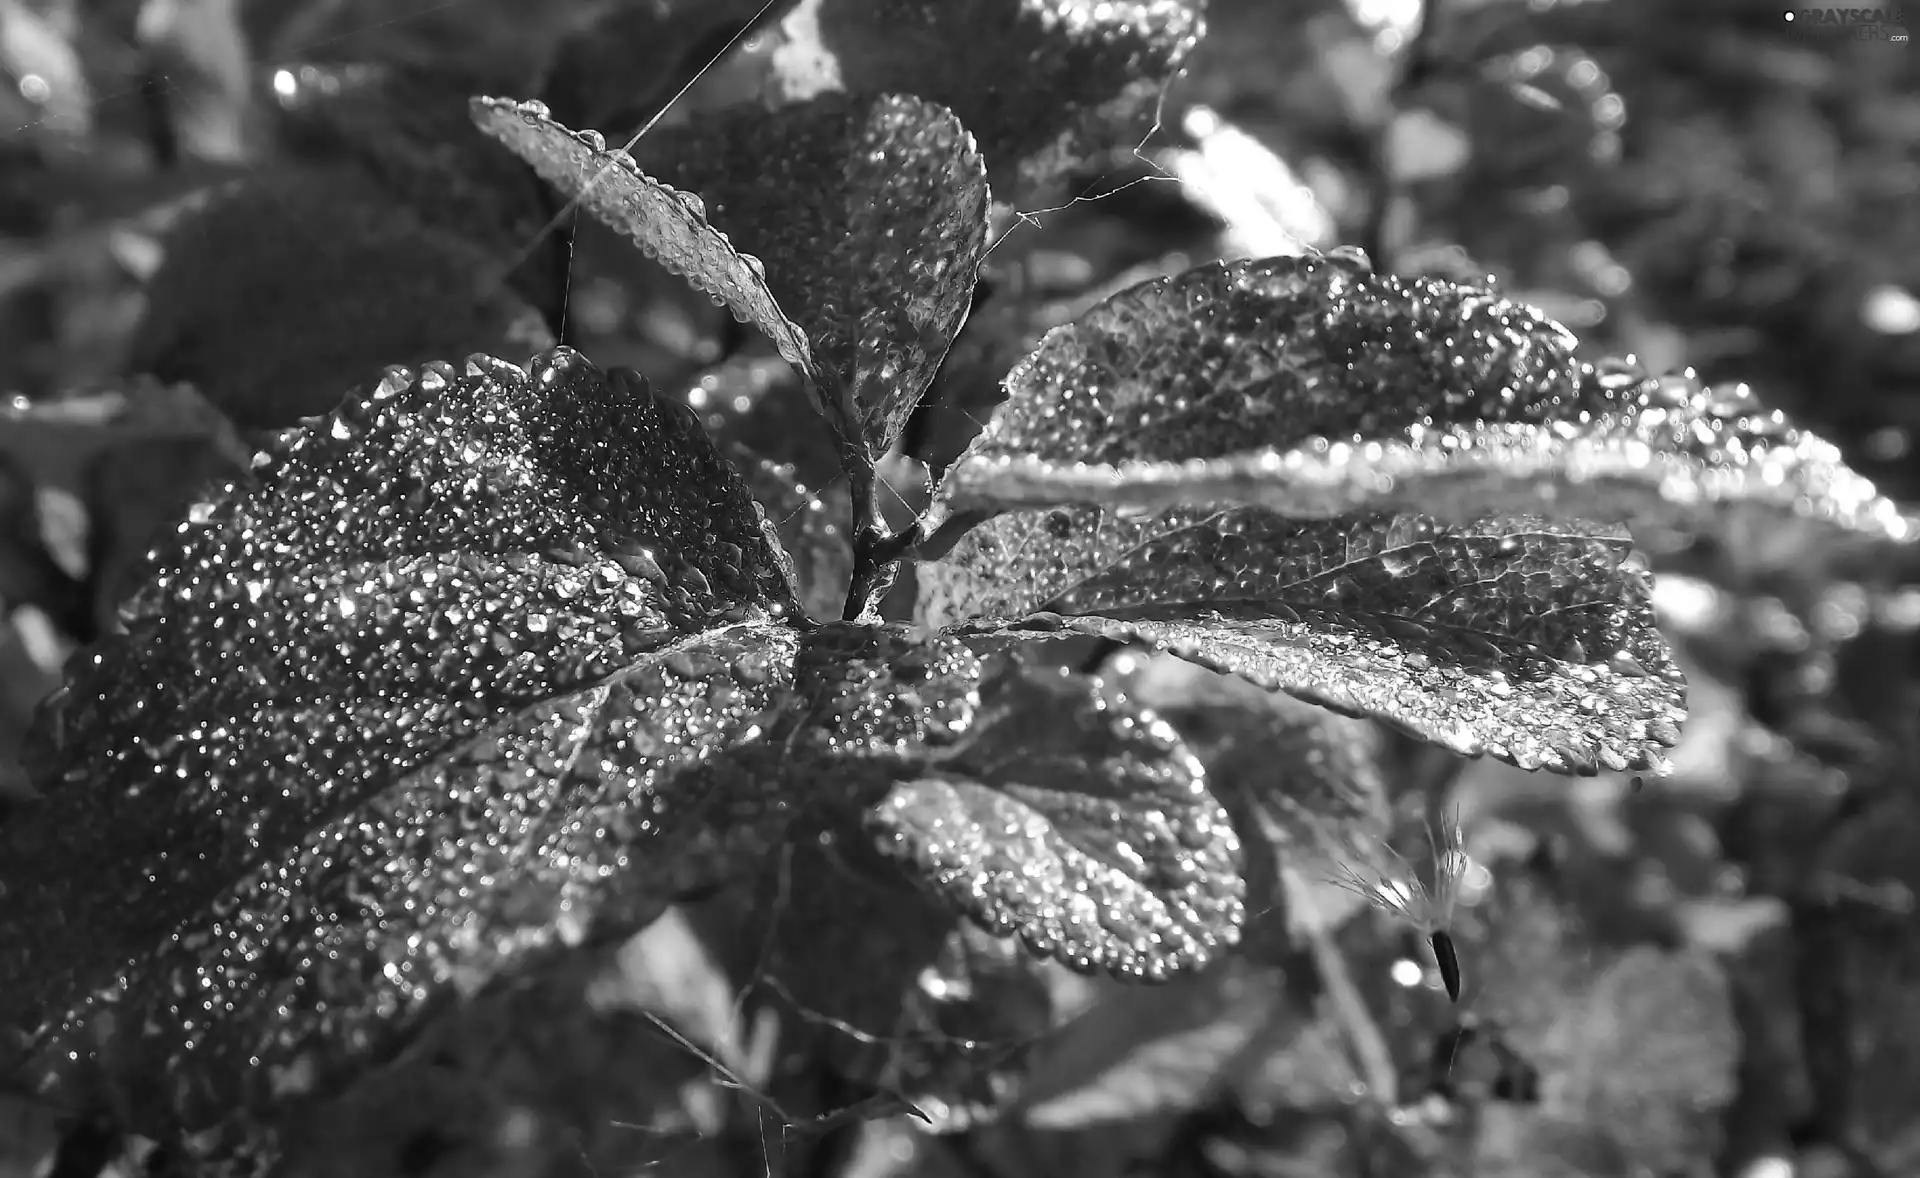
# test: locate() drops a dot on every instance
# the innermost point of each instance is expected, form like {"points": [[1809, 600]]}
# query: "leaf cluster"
{"points": [[498, 662]]}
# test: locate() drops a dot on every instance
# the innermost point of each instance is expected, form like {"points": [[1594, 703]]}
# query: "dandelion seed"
{"points": [[1394, 886]]}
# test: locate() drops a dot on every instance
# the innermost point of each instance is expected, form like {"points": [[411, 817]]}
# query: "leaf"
{"points": [[669, 226], [56, 441], [375, 287], [1651, 1055], [1042, 83], [1315, 387], [1520, 637], [391, 714], [1081, 825], [1531, 642], [632, 61], [868, 215], [406, 128]]}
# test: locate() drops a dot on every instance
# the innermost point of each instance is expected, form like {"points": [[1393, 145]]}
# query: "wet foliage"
{"points": [[613, 590]]}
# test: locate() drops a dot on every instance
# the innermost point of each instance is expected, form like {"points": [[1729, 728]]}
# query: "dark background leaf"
{"points": [[1042, 83], [624, 67], [377, 287]]}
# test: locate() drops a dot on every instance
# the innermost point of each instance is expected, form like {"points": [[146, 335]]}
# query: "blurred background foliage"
{"points": [[1717, 972]]}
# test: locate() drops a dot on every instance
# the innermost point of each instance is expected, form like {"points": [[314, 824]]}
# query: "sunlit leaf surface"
{"points": [[1389, 394], [1519, 636]]}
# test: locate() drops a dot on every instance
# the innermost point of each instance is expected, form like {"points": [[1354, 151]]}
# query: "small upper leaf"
{"points": [[866, 215], [870, 215], [1083, 825], [668, 225], [1043, 83], [1316, 387]]}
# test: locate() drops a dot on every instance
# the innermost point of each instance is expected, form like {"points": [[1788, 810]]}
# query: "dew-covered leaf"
{"points": [[668, 225], [1524, 637], [1042, 83], [392, 711], [870, 216], [1531, 641], [1315, 387], [376, 286], [1082, 825], [849, 229]]}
